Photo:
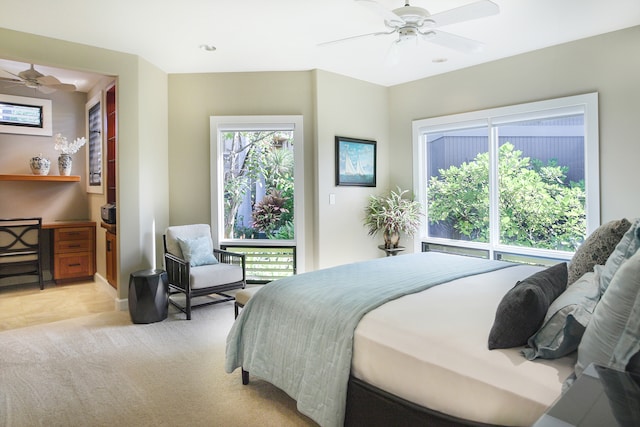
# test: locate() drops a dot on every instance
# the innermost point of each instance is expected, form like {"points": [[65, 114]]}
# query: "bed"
{"points": [[402, 337]]}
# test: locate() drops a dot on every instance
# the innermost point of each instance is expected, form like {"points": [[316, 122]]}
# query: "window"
{"points": [[257, 185], [22, 115], [510, 181]]}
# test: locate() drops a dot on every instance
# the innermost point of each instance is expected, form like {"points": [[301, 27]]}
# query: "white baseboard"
{"points": [[120, 304]]}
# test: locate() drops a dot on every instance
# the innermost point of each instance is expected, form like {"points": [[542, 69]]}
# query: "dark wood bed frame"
{"points": [[373, 407]]}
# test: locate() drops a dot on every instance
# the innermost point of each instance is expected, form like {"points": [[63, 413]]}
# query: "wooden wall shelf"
{"points": [[28, 177]]}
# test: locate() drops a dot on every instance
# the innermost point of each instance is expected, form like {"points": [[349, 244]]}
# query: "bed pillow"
{"points": [[611, 337], [522, 310], [596, 248], [197, 251], [624, 250], [566, 320]]}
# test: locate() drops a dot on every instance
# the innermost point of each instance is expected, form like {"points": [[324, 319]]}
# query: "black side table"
{"points": [[148, 296]]}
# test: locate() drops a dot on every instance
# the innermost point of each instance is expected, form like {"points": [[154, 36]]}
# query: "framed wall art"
{"points": [[355, 162], [95, 176]]}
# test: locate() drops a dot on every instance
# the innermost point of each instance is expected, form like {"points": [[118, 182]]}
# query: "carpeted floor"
{"points": [[102, 370]]}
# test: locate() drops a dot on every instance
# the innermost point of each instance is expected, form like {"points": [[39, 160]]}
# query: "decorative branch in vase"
{"points": [[392, 214], [67, 149]]}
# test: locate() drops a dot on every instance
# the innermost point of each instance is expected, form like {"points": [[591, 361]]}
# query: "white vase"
{"points": [[64, 164], [39, 165]]}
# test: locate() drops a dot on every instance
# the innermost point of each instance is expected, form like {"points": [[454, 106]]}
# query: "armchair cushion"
{"points": [[184, 232], [197, 251], [206, 276]]}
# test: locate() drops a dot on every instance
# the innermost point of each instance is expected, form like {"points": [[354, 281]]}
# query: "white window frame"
{"points": [[218, 124], [586, 103]]}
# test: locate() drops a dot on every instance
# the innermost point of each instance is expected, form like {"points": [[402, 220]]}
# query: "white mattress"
{"points": [[430, 348]]}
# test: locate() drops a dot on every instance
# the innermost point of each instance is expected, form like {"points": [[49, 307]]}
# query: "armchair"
{"points": [[20, 248], [195, 269]]}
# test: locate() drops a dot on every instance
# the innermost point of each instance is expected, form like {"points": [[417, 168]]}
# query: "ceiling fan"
{"points": [[412, 23], [34, 79]]}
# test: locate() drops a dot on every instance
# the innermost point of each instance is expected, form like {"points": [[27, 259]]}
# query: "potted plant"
{"points": [[392, 214]]}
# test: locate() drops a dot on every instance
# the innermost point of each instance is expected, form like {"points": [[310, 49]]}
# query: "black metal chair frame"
{"points": [[18, 244], [179, 271]]}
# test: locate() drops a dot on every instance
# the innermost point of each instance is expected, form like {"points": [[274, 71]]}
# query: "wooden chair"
{"points": [[224, 271], [20, 248]]}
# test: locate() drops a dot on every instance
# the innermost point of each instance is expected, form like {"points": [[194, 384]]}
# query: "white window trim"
{"points": [[219, 124], [587, 103]]}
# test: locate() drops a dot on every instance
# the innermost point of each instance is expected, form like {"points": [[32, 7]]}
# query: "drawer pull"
{"points": [[74, 265]]}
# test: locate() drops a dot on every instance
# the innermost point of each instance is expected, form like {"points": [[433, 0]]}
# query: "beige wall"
{"points": [[142, 117], [356, 109], [193, 98], [343, 106], [53, 201], [605, 64]]}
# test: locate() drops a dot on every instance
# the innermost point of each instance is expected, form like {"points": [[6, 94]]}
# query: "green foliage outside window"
{"points": [[253, 157], [537, 207]]}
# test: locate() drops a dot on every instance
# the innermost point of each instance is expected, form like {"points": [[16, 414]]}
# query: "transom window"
{"points": [[510, 181]]}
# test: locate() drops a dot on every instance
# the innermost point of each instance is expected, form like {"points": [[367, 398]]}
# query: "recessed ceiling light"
{"points": [[207, 47], [439, 60]]}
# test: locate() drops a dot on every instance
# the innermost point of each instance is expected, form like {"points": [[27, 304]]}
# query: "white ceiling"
{"points": [[277, 35]]}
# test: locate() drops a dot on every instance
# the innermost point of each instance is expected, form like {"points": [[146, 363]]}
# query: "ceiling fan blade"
{"points": [[10, 79], [478, 9], [381, 11], [48, 81], [10, 73], [379, 33], [55, 84], [453, 41], [65, 87]]}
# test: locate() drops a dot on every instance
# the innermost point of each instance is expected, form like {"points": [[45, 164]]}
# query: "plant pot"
{"points": [[391, 239]]}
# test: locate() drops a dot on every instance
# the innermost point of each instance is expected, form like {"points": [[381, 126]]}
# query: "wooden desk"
{"points": [[74, 250]]}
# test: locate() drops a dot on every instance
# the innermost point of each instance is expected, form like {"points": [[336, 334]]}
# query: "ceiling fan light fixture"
{"points": [[407, 33], [207, 47]]}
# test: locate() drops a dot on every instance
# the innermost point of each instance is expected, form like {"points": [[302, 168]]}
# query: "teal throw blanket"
{"points": [[297, 332]]}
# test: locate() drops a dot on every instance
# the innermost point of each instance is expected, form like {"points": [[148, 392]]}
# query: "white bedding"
{"points": [[430, 348]]}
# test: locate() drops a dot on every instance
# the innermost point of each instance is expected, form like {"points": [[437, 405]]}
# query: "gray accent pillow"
{"points": [[596, 248], [611, 337], [522, 310], [624, 250], [566, 320]]}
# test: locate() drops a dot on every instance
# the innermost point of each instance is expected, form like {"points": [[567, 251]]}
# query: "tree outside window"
{"points": [[516, 181], [258, 184]]}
